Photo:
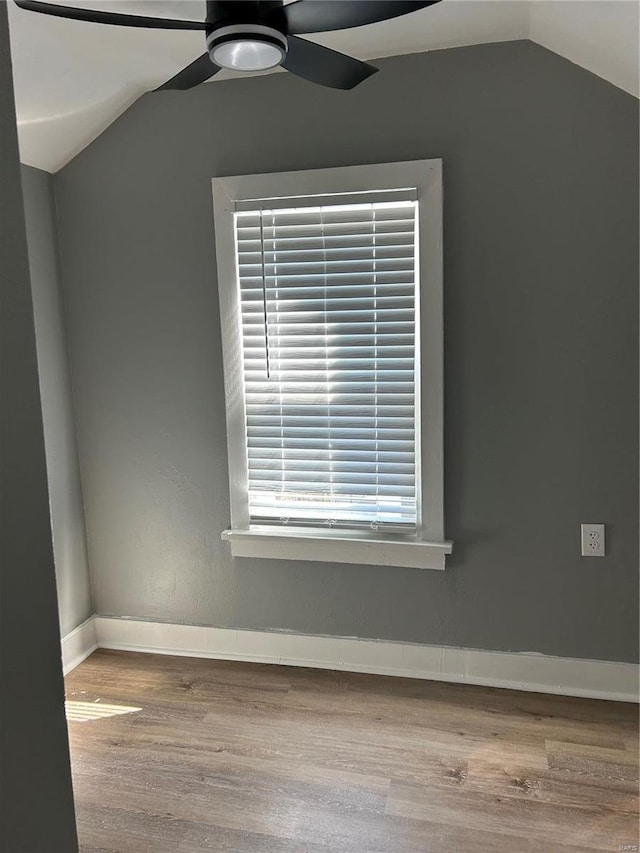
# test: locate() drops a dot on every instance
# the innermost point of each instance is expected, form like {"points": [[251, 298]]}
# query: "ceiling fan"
{"points": [[255, 35]]}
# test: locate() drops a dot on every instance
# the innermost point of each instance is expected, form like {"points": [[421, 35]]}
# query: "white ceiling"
{"points": [[73, 79]]}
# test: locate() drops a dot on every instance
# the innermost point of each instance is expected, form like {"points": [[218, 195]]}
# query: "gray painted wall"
{"points": [[36, 813], [541, 314], [65, 493]]}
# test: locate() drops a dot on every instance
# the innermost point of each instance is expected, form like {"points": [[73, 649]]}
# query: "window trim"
{"points": [[428, 548]]}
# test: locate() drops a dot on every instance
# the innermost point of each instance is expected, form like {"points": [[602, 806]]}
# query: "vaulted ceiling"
{"points": [[73, 79]]}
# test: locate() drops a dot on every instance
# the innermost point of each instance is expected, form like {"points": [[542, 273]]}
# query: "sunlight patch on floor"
{"points": [[82, 712]]}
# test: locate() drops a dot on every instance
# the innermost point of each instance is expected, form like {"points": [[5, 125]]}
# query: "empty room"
{"points": [[319, 508]]}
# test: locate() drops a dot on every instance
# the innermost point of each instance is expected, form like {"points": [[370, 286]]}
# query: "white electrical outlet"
{"points": [[592, 539]]}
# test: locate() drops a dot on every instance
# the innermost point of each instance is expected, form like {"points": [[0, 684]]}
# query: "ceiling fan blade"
{"points": [[324, 66], [198, 71], [320, 16], [95, 16]]}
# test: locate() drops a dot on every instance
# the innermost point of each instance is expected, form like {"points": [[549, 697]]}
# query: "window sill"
{"points": [[337, 547]]}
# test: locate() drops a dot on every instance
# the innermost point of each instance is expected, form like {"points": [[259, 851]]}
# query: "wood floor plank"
{"points": [[564, 789], [251, 758], [589, 760], [514, 816]]}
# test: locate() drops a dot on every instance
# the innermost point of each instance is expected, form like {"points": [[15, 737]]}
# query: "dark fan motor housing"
{"points": [[254, 35]]}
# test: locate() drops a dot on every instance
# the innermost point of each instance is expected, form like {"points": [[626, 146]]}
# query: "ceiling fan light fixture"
{"points": [[257, 35], [242, 48]]}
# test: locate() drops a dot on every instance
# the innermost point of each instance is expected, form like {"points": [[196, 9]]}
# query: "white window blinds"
{"points": [[328, 303]]}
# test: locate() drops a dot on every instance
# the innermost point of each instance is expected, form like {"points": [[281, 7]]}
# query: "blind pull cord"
{"points": [[264, 295], [326, 358]]}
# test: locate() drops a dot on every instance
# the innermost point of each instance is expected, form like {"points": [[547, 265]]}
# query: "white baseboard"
{"points": [[79, 644], [518, 671]]}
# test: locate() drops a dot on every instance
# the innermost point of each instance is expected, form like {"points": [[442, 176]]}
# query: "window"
{"points": [[327, 298], [331, 305]]}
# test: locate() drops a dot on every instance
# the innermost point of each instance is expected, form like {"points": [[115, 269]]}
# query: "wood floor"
{"points": [[253, 758]]}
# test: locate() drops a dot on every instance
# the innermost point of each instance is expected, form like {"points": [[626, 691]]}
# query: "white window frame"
{"points": [[427, 548]]}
